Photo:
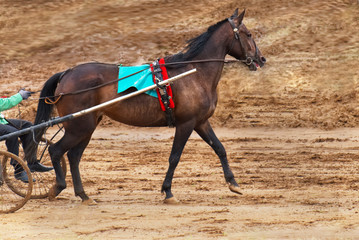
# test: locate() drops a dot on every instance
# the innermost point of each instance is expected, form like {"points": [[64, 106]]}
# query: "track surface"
{"points": [[297, 183]]}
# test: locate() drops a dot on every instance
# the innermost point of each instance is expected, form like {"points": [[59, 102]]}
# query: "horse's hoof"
{"points": [[235, 189], [52, 194], [89, 202], [171, 201]]}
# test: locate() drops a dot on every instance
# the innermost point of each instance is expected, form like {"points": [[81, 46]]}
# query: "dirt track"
{"points": [[290, 130], [297, 183]]}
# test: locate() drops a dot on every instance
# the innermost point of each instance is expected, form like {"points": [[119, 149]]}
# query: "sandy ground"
{"points": [[291, 130], [297, 183]]}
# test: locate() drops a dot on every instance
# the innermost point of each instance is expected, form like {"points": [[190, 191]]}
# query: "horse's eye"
{"points": [[249, 35]]}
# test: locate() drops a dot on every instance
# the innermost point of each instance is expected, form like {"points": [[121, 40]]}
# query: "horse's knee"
{"points": [[173, 162], [221, 152]]}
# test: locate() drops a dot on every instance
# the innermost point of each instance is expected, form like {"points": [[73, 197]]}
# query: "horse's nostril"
{"points": [[263, 59]]}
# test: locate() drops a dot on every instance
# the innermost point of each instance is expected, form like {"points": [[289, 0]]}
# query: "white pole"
{"points": [[94, 108]]}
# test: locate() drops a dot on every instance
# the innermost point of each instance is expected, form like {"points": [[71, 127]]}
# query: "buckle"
{"points": [[249, 61]]}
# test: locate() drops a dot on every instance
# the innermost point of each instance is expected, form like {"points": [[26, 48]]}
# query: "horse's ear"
{"points": [[241, 16], [235, 14]]}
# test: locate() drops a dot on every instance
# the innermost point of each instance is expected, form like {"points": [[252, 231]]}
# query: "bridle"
{"points": [[248, 60]]}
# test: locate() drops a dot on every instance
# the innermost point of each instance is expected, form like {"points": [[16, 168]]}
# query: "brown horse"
{"points": [[195, 97]]}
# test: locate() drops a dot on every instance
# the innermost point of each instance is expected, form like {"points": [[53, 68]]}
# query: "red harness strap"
{"points": [[168, 87]]}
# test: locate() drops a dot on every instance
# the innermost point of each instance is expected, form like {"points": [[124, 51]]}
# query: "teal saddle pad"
{"points": [[139, 80]]}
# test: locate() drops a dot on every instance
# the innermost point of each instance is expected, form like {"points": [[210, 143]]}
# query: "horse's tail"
{"points": [[44, 109]]}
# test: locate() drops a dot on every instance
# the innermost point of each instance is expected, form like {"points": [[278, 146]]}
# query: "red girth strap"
{"points": [[168, 87]]}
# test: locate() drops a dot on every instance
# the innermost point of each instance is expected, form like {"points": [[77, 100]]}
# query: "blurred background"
{"points": [[312, 50]]}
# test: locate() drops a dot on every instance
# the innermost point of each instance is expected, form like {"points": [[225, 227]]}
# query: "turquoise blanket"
{"points": [[139, 81]]}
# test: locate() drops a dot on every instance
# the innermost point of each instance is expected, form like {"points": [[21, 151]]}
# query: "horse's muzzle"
{"points": [[255, 63]]}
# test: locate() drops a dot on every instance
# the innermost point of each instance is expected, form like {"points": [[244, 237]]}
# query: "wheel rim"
{"points": [[13, 193]]}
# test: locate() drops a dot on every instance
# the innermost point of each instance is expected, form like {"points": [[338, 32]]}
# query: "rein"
{"points": [[203, 61]]}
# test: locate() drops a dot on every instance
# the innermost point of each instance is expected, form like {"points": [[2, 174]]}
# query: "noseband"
{"points": [[248, 60]]}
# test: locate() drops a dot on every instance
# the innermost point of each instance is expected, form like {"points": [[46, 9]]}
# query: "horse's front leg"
{"points": [[183, 131], [207, 134]]}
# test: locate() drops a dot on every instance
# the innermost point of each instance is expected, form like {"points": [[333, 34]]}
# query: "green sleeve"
{"points": [[7, 103]]}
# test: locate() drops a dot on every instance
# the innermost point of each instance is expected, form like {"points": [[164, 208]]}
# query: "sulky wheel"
{"points": [[44, 180], [13, 193]]}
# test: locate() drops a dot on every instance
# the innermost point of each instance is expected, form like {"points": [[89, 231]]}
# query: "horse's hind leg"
{"points": [[56, 151], [74, 155], [181, 136], [207, 134], [74, 145]]}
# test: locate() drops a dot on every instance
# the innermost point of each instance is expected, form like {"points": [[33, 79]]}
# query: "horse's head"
{"points": [[243, 46]]}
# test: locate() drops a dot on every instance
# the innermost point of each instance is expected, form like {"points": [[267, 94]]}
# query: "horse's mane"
{"points": [[195, 45]]}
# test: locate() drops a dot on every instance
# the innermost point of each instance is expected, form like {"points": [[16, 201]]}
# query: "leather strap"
{"points": [[165, 98]]}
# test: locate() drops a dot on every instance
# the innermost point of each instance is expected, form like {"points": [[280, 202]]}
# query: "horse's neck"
{"points": [[214, 52], [216, 47]]}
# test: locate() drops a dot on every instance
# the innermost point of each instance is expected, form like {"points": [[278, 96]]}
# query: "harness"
{"points": [[248, 60], [164, 92], [159, 74]]}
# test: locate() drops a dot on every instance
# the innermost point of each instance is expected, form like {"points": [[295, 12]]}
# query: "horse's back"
{"points": [[85, 75], [96, 83]]}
